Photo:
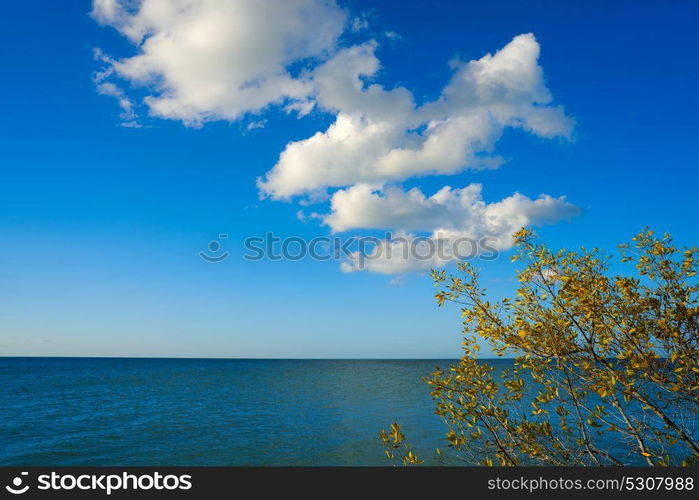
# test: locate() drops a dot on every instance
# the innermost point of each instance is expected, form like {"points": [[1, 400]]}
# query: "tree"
{"points": [[606, 368]]}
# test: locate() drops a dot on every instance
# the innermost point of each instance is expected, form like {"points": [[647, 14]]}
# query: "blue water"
{"points": [[80, 411], [111, 411]]}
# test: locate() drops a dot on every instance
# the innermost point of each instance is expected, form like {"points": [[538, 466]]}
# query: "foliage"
{"points": [[396, 448], [610, 359]]}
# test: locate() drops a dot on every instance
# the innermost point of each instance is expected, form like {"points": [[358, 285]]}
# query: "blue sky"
{"points": [[101, 224]]}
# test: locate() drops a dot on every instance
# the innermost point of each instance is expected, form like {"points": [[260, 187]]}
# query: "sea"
{"points": [[137, 411], [169, 412]]}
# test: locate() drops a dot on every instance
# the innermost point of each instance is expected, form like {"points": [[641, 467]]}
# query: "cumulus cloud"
{"points": [[380, 135], [401, 254], [362, 207], [459, 222], [219, 59], [202, 60]]}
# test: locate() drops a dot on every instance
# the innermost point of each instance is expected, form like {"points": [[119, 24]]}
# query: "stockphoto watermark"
{"points": [[107, 483], [359, 250]]}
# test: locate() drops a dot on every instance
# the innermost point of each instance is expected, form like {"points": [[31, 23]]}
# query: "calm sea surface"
{"points": [[80, 411], [92, 411]]}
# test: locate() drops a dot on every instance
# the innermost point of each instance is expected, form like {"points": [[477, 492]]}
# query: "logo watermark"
{"points": [[106, 483], [359, 250], [16, 487], [213, 252]]}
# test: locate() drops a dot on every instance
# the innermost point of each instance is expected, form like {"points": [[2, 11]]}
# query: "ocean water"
{"points": [[87, 411], [115, 411]]}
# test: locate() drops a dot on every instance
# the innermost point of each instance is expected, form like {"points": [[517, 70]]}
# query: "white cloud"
{"points": [[255, 124], [128, 114], [107, 88], [380, 135], [403, 253], [112, 90], [203, 60], [359, 24], [219, 59], [449, 216]]}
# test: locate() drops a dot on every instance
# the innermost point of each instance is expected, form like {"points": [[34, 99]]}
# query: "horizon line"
{"points": [[238, 359]]}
